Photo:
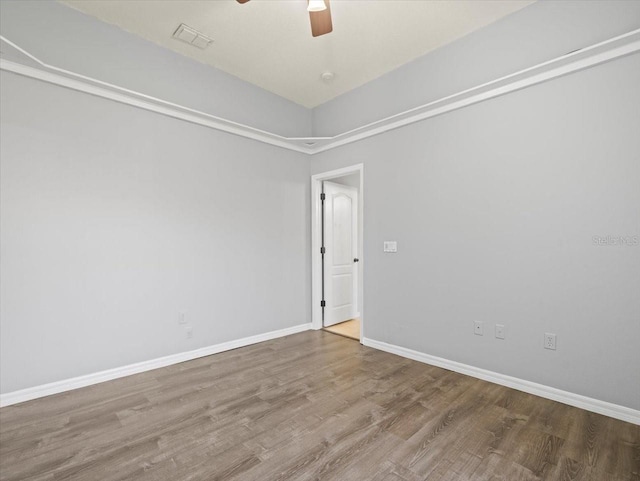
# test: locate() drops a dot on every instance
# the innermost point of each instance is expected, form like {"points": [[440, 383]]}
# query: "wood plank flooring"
{"points": [[350, 329], [312, 406]]}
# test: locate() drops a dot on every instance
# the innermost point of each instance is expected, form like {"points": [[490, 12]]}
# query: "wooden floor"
{"points": [[312, 406], [350, 329]]}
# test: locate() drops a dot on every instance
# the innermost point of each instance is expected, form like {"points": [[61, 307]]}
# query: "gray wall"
{"points": [[537, 33], [115, 219], [494, 208], [66, 38]]}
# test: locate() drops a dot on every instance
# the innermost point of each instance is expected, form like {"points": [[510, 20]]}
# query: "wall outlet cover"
{"points": [[478, 329], [550, 341], [500, 331]]}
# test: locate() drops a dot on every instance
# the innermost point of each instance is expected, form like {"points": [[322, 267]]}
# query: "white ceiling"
{"points": [[269, 42]]}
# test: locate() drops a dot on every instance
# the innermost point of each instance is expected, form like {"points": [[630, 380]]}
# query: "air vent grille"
{"points": [[190, 35]]}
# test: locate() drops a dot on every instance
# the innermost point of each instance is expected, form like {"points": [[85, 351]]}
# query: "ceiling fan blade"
{"points": [[242, 1], [321, 21]]}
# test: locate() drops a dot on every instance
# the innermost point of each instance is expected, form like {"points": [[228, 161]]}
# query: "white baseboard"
{"points": [[594, 405], [118, 372]]}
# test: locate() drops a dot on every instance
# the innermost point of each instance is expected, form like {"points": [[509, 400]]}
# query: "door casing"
{"points": [[316, 242]]}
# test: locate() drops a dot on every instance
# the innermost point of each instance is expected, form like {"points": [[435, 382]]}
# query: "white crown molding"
{"points": [[82, 83], [110, 374], [597, 54], [583, 402]]}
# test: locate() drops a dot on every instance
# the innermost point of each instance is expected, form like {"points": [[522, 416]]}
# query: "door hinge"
{"points": [[322, 250], [322, 196], [323, 303]]}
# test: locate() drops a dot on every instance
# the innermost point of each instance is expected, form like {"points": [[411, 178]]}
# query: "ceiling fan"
{"points": [[319, 14]]}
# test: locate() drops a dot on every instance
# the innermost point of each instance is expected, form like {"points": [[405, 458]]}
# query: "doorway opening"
{"points": [[349, 328], [337, 251]]}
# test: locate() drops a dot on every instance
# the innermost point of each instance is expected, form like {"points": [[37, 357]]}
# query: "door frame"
{"points": [[316, 242], [329, 257]]}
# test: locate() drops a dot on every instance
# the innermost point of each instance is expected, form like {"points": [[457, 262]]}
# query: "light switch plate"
{"points": [[390, 246]]}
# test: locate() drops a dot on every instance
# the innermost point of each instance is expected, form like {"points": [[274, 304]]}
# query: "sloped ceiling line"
{"points": [[608, 50], [269, 43]]}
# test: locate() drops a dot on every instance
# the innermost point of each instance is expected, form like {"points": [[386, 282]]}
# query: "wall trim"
{"points": [[80, 83], [577, 400], [584, 58], [35, 392]]}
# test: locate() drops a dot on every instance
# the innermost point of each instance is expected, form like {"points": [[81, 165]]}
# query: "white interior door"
{"points": [[341, 252]]}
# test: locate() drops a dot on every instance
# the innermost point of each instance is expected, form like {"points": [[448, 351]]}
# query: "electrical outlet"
{"points": [[477, 328], [189, 332], [182, 318], [549, 341], [499, 331]]}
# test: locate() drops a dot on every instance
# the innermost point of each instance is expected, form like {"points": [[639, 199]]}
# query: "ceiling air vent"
{"points": [[191, 36]]}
